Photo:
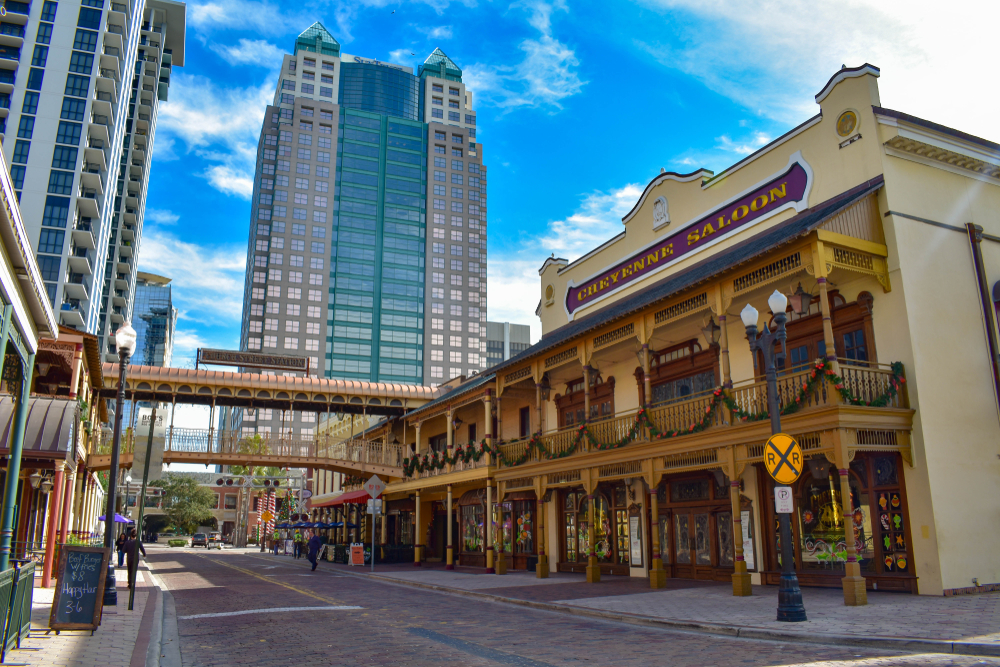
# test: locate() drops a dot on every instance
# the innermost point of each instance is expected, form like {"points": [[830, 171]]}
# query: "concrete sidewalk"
{"points": [[964, 624], [122, 640]]}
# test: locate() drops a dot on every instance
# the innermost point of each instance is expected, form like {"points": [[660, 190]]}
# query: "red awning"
{"points": [[353, 497]]}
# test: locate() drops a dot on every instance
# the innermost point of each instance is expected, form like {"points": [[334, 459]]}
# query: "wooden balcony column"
{"points": [[450, 562], [722, 303], [855, 593], [488, 521], [500, 562], [488, 425], [820, 270], [657, 574], [741, 578], [450, 443]]}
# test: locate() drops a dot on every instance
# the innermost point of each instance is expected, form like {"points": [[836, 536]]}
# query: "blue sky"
{"points": [[579, 106]]}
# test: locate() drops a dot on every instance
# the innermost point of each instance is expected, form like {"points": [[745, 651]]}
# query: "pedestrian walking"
{"points": [[314, 544], [277, 542], [132, 548], [120, 547], [298, 544]]}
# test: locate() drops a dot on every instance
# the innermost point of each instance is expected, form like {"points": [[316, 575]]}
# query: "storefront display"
{"points": [[878, 517]]}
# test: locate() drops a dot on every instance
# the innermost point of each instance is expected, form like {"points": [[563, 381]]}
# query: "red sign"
{"points": [[789, 189], [357, 554]]}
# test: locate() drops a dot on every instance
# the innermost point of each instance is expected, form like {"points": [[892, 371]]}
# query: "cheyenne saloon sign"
{"points": [[789, 189]]}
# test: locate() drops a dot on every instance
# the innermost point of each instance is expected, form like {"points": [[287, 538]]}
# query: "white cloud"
{"points": [[598, 218], [251, 52], [438, 32], [259, 16], [545, 77], [779, 53], [742, 146], [161, 216], [514, 290], [209, 279], [513, 274], [221, 125]]}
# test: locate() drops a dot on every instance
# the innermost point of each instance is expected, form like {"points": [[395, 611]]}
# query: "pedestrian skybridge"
{"points": [[211, 446]]}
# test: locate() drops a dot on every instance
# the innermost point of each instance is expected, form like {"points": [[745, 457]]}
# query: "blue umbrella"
{"points": [[118, 518], [282, 525], [351, 525], [335, 524]]}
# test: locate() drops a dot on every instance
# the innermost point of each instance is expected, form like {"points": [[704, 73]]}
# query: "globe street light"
{"points": [[790, 607], [125, 339]]}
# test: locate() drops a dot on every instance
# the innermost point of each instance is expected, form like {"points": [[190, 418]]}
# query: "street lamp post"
{"points": [[790, 607], [125, 339]]}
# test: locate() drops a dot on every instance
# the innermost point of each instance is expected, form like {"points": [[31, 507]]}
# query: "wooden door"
{"points": [[692, 544]]}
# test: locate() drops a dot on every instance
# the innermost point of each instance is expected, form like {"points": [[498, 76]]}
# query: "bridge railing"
{"points": [[211, 441]]}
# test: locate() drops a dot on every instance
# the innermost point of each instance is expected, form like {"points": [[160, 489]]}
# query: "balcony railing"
{"points": [[206, 441], [863, 383]]}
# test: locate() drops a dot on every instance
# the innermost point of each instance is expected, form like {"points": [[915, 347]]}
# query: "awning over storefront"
{"points": [[353, 497], [48, 431]]}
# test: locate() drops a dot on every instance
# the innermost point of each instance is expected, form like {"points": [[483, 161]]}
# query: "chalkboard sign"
{"points": [[79, 597]]}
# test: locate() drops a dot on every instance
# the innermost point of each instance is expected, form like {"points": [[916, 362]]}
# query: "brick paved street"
{"points": [[402, 625]]}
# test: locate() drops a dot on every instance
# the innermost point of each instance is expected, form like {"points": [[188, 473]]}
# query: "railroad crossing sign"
{"points": [[267, 516], [374, 486], [783, 458]]}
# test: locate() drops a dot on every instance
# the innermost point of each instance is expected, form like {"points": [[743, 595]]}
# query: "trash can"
{"points": [[532, 563]]}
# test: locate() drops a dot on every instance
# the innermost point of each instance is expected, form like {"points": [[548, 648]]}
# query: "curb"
{"points": [[720, 629]]}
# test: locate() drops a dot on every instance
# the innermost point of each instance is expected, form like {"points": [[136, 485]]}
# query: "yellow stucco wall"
{"points": [[931, 320]]}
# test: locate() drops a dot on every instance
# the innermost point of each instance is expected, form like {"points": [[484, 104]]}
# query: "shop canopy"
{"points": [[359, 497]]}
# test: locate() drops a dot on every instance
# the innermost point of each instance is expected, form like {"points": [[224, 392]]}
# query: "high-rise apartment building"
{"points": [[505, 340], [155, 319], [367, 245], [80, 84]]}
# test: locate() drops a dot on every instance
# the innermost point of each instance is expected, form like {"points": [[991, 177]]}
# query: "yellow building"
{"points": [[629, 440]]}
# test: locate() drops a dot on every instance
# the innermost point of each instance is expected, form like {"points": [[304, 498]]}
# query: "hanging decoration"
{"points": [[821, 370]]}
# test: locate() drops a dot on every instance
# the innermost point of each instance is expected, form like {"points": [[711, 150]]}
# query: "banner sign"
{"points": [[789, 189], [278, 362], [142, 444]]}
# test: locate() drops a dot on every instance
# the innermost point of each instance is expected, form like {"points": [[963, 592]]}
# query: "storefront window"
{"points": [[664, 539], [569, 526], [472, 528], [504, 523], [822, 523], [891, 517], [724, 525], [524, 529], [405, 528], [621, 536]]}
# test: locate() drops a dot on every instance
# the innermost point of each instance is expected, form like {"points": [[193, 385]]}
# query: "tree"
{"points": [[254, 444], [186, 504]]}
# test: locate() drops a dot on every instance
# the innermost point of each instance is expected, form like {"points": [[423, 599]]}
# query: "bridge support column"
{"points": [[451, 551], [417, 546]]}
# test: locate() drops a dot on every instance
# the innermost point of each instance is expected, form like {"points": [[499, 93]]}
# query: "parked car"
{"points": [[199, 540]]}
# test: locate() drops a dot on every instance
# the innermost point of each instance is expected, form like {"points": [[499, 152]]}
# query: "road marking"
{"points": [[477, 650], [271, 581], [266, 611]]}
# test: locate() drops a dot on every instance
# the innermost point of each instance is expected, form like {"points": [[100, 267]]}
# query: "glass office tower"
{"points": [[367, 240]]}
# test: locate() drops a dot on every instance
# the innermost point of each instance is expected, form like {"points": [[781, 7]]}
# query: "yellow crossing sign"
{"points": [[783, 458]]}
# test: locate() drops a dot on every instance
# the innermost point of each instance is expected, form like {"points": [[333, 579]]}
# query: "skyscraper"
{"points": [[154, 318], [87, 77], [505, 340], [340, 235]]}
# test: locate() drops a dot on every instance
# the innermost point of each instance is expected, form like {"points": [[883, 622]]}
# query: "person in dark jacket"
{"points": [[132, 548], [314, 544], [120, 547]]}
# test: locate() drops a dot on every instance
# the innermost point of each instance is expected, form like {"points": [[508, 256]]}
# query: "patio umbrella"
{"points": [[335, 524], [118, 518], [351, 525]]}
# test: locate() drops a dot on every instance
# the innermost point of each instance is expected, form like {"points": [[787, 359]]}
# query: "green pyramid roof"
{"points": [[439, 64], [317, 38]]}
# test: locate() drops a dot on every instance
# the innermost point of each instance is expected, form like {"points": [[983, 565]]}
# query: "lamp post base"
{"points": [[741, 580], [110, 592], [790, 607]]}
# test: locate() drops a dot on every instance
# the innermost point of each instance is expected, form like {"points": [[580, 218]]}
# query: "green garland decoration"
{"points": [[821, 369]]}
